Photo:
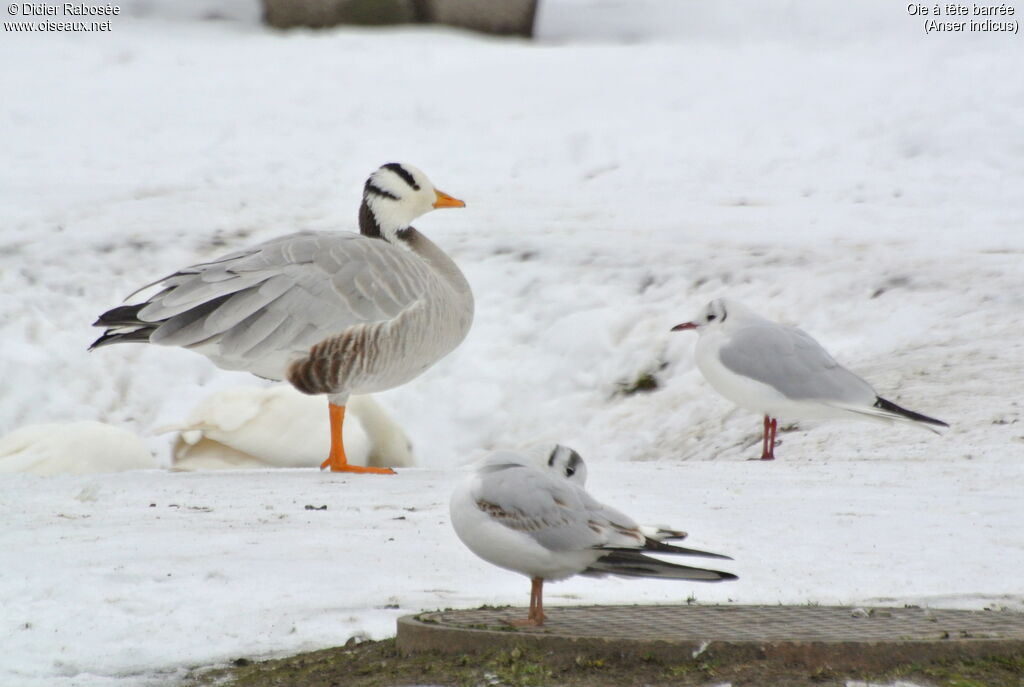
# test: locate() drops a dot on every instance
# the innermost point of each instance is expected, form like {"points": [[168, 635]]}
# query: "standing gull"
{"points": [[334, 313], [528, 512], [780, 371]]}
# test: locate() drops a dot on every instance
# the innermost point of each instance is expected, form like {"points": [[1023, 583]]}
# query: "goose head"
{"points": [[395, 195]]}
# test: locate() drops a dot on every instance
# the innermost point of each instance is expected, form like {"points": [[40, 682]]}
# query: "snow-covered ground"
{"points": [[827, 163], [132, 578]]}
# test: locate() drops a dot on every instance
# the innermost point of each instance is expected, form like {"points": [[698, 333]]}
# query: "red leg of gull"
{"points": [[764, 438], [768, 449], [540, 601], [535, 618], [337, 460]]}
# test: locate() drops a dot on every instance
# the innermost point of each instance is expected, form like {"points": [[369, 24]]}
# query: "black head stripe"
{"points": [[371, 189], [724, 314], [551, 458], [404, 173]]}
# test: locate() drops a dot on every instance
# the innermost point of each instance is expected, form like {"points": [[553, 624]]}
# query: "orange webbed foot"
{"points": [[358, 469], [336, 460]]}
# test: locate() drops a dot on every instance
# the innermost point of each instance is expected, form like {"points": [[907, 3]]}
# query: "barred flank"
{"points": [[331, 362]]}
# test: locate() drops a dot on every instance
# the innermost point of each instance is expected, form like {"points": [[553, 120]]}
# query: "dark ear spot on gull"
{"points": [[574, 460]]}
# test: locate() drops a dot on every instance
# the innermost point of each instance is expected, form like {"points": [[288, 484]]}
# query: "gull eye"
{"points": [[712, 317], [569, 472]]}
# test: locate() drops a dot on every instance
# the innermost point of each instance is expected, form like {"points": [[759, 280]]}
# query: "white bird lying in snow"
{"points": [[252, 427], [528, 512], [780, 371], [73, 448]]}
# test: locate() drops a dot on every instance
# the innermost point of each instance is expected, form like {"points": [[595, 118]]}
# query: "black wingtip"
{"points": [[655, 546], [112, 337], [633, 563], [123, 326], [121, 316], [662, 547], [890, 407], [102, 341]]}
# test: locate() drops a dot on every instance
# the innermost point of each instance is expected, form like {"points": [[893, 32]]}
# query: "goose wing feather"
{"points": [[287, 294]]}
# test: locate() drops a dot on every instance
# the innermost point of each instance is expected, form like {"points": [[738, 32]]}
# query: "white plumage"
{"points": [[73, 448], [527, 511], [782, 372], [255, 427]]}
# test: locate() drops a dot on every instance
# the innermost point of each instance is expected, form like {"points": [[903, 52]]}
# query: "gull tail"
{"points": [[655, 546], [627, 563], [887, 410], [890, 407]]}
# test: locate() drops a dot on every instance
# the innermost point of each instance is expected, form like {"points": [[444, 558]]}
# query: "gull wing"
{"points": [[557, 514], [793, 363]]}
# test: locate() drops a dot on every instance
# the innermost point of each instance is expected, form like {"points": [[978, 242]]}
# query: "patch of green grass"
{"points": [[989, 671], [645, 382], [380, 664]]}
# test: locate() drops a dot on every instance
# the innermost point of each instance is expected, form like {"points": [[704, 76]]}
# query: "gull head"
{"points": [[559, 460], [720, 312], [397, 193], [566, 463]]}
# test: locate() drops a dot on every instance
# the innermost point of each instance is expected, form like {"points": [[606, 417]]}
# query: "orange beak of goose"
{"points": [[446, 201], [684, 325]]}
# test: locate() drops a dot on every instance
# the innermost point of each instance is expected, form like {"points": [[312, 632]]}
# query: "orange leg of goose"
{"points": [[337, 460], [536, 616]]}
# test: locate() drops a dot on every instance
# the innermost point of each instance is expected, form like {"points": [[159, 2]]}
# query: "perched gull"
{"points": [[334, 313], [780, 371], [528, 512]]}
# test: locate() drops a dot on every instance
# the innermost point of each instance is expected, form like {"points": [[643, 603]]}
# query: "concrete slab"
{"points": [[836, 637]]}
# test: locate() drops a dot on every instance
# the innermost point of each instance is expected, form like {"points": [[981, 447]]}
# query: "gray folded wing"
{"points": [[557, 514], [283, 296], [794, 364]]}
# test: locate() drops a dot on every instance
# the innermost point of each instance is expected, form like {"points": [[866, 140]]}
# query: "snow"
{"points": [[830, 165], [135, 577]]}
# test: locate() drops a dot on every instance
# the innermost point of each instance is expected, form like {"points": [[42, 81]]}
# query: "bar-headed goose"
{"points": [[332, 313]]}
